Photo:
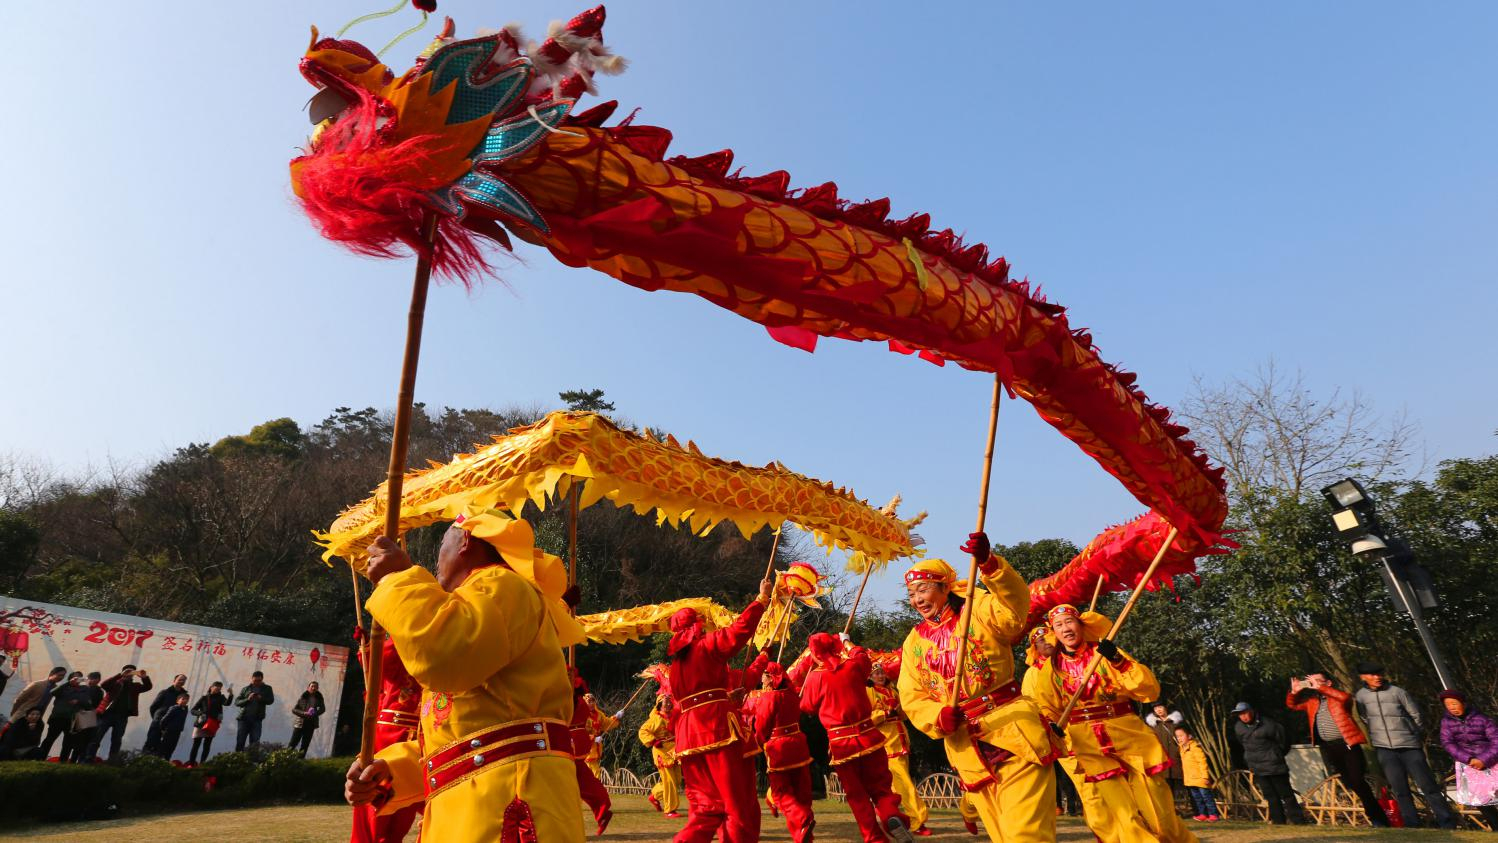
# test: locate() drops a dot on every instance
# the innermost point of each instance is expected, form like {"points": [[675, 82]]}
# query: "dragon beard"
{"points": [[372, 196]]}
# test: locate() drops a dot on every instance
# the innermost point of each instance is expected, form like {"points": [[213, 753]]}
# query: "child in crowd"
{"points": [[1197, 776], [172, 720]]}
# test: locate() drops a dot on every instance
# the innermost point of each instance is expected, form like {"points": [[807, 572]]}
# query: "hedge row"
{"points": [[48, 792]]}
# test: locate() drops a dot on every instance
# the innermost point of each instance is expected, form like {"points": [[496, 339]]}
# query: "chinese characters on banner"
{"points": [[39, 636]]}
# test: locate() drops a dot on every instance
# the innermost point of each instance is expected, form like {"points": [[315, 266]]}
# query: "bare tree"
{"points": [[1270, 431]]}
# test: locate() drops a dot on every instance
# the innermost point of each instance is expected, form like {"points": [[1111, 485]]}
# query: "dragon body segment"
{"points": [[507, 152]]}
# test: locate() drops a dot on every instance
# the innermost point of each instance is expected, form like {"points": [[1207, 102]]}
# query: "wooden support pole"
{"points": [[774, 546], [966, 623], [1097, 591], [400, 441], [574, 493], [848, 627], [635, 695], [785, 624], [1118, 623]]}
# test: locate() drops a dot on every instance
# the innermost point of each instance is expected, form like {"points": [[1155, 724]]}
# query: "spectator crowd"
{"points": [[83, 711]]}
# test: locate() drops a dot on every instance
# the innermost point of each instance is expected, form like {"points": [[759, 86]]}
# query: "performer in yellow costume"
{"points": [[1116, 751], [994, 737], [484, 638], [656, 733], [1041, 648], [888, 716], [599, 724]]}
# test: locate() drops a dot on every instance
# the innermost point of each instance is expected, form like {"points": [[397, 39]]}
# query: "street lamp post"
{"points": [[1355, 520]]}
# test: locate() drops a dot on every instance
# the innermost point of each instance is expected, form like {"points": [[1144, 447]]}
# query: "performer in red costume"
{"points": [[592, 790], [745, 686], [777, 720], [399, 720], [835, 692], [710, 738]]}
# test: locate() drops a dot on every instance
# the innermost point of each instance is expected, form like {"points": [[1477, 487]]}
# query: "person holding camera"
{"points": [[67, 699], [1334, 731], [252, 702], [121, 702]]}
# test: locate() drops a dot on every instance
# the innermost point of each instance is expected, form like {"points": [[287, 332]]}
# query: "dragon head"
{"points": [[389, 150]]}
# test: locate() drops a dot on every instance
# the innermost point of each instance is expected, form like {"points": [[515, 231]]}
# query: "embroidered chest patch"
{"points": [[438, 707]]}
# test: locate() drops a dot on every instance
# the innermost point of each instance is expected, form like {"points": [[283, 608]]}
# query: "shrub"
{"points": [[39, 790]]}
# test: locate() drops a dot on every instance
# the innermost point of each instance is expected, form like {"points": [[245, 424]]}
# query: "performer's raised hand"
{"points": [[1108, 650], [386, 557], [977, 547], [766, 589], [363, 783]]}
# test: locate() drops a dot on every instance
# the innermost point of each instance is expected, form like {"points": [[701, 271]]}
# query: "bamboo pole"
{"points": [[573, 494], [1118, 623], [774, 546], [972, 575], [400, 441], [785, 623], [847, 627], [359, 633], [635, 695], [1097, 592]]}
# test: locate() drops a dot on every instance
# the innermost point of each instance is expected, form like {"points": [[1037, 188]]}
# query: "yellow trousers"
{"points": [[1123, 809], [1158, 806], [1019, 806], [965, 807], [667, 791], [910, 801]]}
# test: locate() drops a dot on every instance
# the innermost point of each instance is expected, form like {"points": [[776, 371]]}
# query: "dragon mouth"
{"points": [[334, 97]]}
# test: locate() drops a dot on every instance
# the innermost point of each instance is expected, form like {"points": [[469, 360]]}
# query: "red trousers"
{"points": [[866, 782], [390, 828], [720, 792], [594, 794], [792, 789]]}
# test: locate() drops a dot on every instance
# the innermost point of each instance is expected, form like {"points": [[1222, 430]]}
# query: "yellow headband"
{"points": [[936, 570]]}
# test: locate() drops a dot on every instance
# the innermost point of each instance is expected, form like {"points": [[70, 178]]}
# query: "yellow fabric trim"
{"points": [[682, 485]]}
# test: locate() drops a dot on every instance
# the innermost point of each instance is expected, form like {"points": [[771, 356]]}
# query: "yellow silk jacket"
{"points": [[929, 664], [487, 655], [1105, 746], [656, 733], [888, 717]]}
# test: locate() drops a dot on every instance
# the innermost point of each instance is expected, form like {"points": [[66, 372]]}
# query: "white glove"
{"points": [[619, 715], [598, 739], [843, 637]]}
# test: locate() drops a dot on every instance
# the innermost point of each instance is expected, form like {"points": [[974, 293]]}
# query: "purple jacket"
{"points": [[1473, 735]]}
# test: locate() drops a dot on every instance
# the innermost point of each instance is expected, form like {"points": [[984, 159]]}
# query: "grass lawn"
{"points": [[632, 822]]}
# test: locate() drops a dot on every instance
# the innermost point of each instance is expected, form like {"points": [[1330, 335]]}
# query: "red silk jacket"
{"points": [[839, 697], [399, 718], [777, 722], [706, 717]]}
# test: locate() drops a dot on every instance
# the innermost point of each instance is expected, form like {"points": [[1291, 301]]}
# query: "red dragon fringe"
{"points": [[358, 192]]}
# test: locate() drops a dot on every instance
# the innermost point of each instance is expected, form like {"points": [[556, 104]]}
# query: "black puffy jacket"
{"points": [[1264, 746]]}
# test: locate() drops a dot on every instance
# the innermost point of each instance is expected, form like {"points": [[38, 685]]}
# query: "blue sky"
{"points": [[1204, 185]]}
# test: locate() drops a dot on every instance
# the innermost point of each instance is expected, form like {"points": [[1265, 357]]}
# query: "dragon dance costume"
{"points": [[1003, 754], [584, 717], [398, 721], [1114, 750], [888, 717], [835, 691], [1093, 812], [599, 724], [777, 721], [656, 733], [710, 738], [493, 759]]}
